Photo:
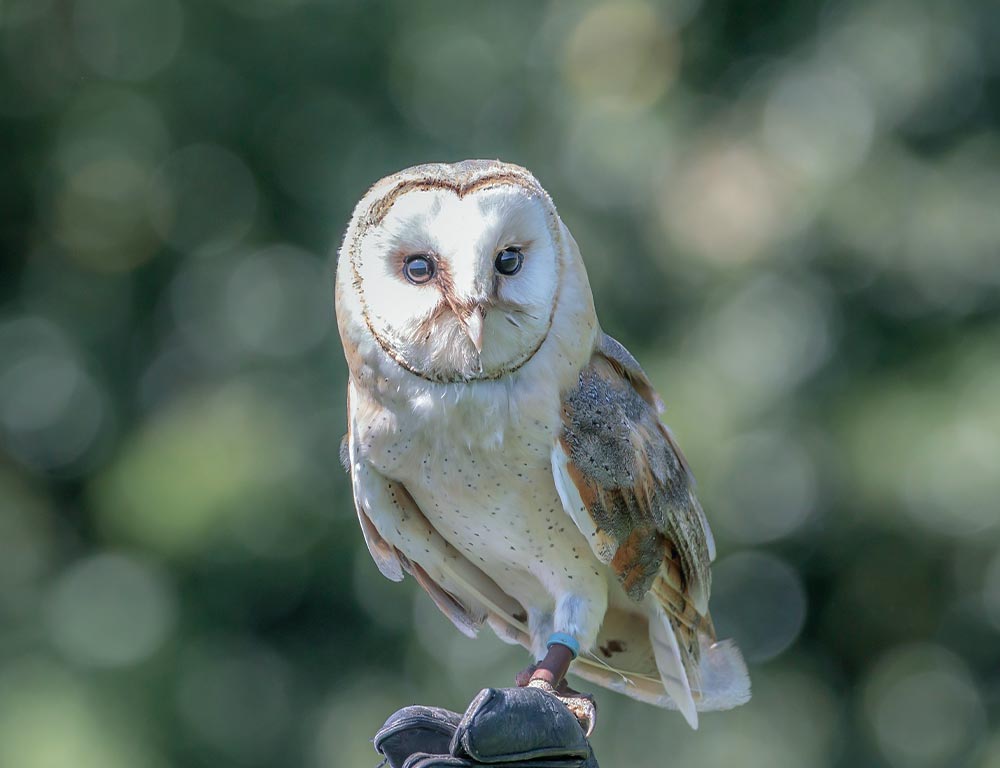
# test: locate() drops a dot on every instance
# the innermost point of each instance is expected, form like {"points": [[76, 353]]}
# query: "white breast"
{"points": [[476, 460]]}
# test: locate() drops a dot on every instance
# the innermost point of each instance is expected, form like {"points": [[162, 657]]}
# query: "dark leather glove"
{"points": [[508, 727]]}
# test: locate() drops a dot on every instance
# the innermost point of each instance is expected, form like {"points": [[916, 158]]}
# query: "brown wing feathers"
{"points": [[637, 488]]}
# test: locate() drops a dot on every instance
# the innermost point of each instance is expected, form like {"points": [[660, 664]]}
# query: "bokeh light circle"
{"points": [[726, 202], [50, 716], [922, 707], [203, 198], [127, 39], [111, 610], [622, 56], [277, 302], [760, 601], [235, 696], [771, 481], [820, 124], [53, 412], [769, 335]]}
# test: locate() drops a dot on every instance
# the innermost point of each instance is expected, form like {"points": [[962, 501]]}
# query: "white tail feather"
{"points": [[725, 682], [668, 662]]}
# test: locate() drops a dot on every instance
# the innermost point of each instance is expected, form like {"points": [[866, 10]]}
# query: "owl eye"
{"points": [[418, 269], [509, 261]]}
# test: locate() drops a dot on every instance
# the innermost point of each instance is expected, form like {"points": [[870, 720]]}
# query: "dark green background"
{"points": [[790, 212]]}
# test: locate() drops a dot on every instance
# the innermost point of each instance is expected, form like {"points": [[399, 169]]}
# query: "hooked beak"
{"points": [[473, 323]]}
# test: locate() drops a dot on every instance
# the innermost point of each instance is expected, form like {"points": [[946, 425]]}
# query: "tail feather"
{"points": [[725, 682], [672, 670], [698, 673], [636, 656]]}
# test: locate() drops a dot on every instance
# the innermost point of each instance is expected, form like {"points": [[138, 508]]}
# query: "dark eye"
{"points": [[509, 261], [418, 269]]}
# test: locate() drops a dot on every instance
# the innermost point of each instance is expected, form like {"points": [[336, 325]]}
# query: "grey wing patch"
{"points": [[629, 367]]}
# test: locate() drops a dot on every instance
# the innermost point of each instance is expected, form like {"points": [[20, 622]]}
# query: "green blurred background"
{"points": [[790, 211]]}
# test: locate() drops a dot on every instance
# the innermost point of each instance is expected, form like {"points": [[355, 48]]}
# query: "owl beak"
{"points": [[473, 322]]}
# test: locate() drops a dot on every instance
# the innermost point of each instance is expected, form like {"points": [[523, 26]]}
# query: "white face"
{"points": [[460, 287]]}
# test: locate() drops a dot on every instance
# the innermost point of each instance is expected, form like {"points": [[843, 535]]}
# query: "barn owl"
{"points": [[509, 455]]}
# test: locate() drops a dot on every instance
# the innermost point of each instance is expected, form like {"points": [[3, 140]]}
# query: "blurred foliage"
{"points": [[790, 212]]}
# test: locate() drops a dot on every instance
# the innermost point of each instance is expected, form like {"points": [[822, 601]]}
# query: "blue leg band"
{"points": [[563, 639]]}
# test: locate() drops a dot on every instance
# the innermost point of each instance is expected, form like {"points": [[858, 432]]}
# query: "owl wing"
{"points": [[636, 494], [627, 486], [395, 529]]}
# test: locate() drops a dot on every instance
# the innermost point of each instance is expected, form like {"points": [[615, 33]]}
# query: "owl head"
{"points": [[454, 269]]}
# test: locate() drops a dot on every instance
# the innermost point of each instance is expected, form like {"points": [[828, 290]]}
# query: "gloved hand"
{"points": [[508, 727]]}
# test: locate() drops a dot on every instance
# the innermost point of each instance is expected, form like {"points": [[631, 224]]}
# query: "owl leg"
{"points": [[539, 629], [553, 667], [576, 619]]}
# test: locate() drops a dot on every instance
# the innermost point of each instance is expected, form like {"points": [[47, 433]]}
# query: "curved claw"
{"points": [[522, 678], [582, 705]]}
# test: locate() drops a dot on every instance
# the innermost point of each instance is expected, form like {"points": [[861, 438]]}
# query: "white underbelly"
{"points": [[508, 521]]}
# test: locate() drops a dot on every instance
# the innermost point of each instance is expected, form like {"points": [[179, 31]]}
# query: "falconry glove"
{"points": [[508, 727]]}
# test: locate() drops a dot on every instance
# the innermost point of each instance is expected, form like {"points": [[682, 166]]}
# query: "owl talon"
{"points": [[522, 678], [581, 705]]}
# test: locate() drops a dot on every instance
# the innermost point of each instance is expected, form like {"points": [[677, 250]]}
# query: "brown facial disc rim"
{"points": [[378, 211]]}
